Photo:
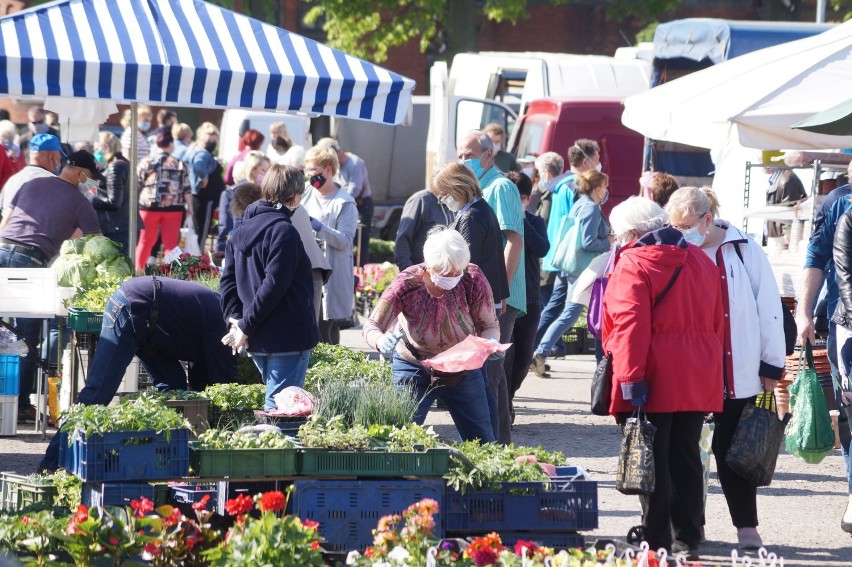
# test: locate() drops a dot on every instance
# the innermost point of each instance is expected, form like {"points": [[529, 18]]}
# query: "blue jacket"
{"points": [[267, 282], [536, 245], [821, 245], [201, 164]]}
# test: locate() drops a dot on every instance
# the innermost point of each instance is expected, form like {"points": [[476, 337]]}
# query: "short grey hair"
{"points": [[688, 201], [446, 251], [550, 162], [638, 215], [484, 140], [8, 127]]}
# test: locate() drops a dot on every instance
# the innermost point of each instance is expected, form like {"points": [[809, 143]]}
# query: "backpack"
{"points": [[790, 329]]}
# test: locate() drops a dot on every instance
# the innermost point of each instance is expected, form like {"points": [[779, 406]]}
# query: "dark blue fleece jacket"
{"points": [[267, 282]]}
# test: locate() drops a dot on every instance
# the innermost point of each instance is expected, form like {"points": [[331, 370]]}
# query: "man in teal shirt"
{"points": [[476, 150]]}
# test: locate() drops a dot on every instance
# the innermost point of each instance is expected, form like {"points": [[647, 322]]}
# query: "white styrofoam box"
{"points": [[129, 383], [8, 415], [27, 292]]}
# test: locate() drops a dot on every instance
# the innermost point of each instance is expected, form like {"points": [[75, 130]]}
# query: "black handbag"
{"points": [[757, 440], [636, 472], [602, 386]]}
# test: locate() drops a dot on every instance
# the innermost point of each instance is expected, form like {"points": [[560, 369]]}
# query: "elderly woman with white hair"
{"points": [[429, 308], [662, 325], [755, 348], [8, 133]]}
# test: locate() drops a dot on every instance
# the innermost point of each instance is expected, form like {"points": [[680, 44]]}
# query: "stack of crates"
{"points": [[10, 370]]}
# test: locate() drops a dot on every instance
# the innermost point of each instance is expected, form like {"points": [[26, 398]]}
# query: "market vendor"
{"points": [[163, 321], [429, 308]]}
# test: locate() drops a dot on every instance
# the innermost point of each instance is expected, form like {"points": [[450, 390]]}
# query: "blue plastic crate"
{"points": [[126, 456], [100, 494], [348, 510], [192, 493], [567, 503], [10, 372]]}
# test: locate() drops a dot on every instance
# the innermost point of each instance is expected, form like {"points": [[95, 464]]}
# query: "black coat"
{"points": [[843, 266], [479, 227]]}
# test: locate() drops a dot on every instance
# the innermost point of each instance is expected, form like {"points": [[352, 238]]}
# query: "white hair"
{"points": [[638, 215], [446, 251], [7, 127], [482, 138], [550, 162]]}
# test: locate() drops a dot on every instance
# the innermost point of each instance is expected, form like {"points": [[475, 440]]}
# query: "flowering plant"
{"points": [[269, 539], [189, 267], [172, 539], [31, 535], [94, 533]]}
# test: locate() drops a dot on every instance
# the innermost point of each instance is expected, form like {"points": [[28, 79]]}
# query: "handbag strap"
{"points": [[807, 354], [665, 291]]}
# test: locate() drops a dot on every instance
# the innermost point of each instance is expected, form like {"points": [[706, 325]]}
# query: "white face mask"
{"points": [[445, 282], [598, 167], [450, 202], [528, 171], [497, 147]]}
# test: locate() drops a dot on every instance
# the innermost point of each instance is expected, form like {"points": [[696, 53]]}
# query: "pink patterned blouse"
{"points": [[433, 324]]}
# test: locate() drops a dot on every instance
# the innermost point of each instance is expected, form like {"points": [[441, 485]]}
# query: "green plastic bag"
{"points": [[809, 433]]}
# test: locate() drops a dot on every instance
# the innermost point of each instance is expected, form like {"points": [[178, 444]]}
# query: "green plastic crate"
{"points": [[82, 321], [322, 462], [19, 491], [243, 463]]}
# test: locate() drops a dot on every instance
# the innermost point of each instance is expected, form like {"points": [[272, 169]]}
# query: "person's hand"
{"points": [[499, 355], [768, 383], [639, 401], [387, 343], [316, 225], [846, 398], [805, 329], [239, 337]]}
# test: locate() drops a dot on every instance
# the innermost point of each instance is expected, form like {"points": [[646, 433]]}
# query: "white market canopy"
{"points": [[187, 53], [754, 99]]}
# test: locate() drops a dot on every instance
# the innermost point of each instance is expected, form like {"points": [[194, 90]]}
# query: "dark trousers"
{"points": [[740, 493], [365, 217], [677, 503], [519, 357], [202, 215], [495, 372]]}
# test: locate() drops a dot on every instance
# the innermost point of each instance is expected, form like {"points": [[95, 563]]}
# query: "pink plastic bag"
{"points": [[470, 354], [293, 401]]}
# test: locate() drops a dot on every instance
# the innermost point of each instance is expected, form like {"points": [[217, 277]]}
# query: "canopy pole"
{"points": [[820, 11], [133, 193]]}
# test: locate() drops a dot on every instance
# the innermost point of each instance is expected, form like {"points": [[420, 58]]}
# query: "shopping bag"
{"points": [[757, 440], [636, 474], [594, 314], [190, 238], [809, 433], [570, 256], [602, 386]]}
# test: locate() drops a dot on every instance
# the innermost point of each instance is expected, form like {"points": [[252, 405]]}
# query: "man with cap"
{"points": [[45, 158], [45, 212]]}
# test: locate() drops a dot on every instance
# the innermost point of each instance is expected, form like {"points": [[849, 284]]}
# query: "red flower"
{"points": [[191, 541], [174, 518], [521, 544], [273, 501], [314, 545], [26, 520], [142, 507], [152, 549], [82, 514], [239, 505], [484, 556], [201, 504], [310, 524], [370, 552], [113, 540]]}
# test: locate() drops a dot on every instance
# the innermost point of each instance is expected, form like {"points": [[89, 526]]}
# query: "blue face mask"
{"points": [[475, 166], [605, 199], [693, 236]]}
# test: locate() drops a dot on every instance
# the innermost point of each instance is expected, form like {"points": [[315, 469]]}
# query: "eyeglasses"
{"points": [[693, 225]]}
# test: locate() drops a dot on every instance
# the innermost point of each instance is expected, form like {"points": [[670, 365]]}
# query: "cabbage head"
{"points": [[100, 248], [119, 267], [73, 246], [74, 270]]}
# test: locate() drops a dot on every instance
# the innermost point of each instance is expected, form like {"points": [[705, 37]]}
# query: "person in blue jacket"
{"points": [[163, 321], [536, 244], [267, 286]]}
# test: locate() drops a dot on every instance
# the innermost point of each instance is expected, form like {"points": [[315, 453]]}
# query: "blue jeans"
{"points": [[467, 401], [279, 371], [559, 315], [28, 329]]}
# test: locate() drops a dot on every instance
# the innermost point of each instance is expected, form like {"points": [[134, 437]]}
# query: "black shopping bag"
{"points": [[636, 473], [757, 440]]}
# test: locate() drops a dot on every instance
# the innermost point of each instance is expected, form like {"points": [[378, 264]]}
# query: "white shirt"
{"points": [[14, 183]]}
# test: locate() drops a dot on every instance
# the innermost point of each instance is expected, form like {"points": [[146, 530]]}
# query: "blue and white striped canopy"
{"points": [[188, 53]]}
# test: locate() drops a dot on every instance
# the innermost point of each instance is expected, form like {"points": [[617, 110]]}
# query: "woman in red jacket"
{"points": [[663, 326]]}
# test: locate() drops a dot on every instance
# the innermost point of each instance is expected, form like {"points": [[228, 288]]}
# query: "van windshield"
{"points": [[531, 138]]}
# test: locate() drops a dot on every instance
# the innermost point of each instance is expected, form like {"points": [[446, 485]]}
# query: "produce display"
{"points": [[141, 414], [365, 404], [183, 395], [219, 439], [189, 267], [493, 464], [82, 260], [227, 397]]}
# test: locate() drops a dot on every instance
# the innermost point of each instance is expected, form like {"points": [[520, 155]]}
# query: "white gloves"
{"points": [[236, 338], [846, 397], [387, 343]]}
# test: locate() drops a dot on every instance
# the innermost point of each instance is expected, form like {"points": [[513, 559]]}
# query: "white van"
{"points": [[236, 121]]}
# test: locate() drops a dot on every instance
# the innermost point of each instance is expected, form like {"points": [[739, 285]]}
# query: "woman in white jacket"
{"points": [[334, 217], [754, 352]]}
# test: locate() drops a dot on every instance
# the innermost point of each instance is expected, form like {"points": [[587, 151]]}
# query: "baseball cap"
{"points": [[85, 160], [47, 143], [529, 158]]}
